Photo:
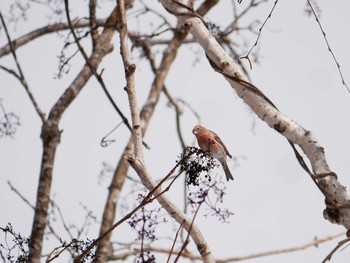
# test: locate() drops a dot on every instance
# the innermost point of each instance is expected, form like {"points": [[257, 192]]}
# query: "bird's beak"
{"points": [[195, 132]]}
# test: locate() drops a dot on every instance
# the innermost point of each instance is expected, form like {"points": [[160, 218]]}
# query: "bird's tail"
{"points": [[227, 172]]}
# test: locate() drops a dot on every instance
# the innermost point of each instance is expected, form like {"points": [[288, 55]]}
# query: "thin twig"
{"points": [[259, 34], [328, 45], [21, 75], [104, 141], [65, 226], [232, 26], [178, 113], [52, 257], [11, 71], [183, 248], [174, 242], [20, 195]]}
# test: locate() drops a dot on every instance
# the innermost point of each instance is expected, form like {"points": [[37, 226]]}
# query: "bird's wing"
{"points": [[217, 138]]}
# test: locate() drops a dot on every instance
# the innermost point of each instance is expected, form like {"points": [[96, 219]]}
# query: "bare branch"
{"points": [[21, 41], [178, 113], [233, 25], [93, 24], [21, 75], [328, 45], [313, 243], [174, 242], [20, 195], [56, 252], [258, 37], [187, 240], [129, 68]]}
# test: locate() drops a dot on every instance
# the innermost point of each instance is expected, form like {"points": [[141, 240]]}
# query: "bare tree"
{"points": [[157, 39]]}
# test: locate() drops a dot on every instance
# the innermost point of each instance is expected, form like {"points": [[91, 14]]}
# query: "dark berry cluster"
{"points": [[14, 243], [194, 162]]}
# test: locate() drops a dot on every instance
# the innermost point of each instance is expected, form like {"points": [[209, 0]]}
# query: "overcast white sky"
{"points": [[275, 203]]}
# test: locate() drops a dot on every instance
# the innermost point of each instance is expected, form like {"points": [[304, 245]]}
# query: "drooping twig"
{"points": [[104, 141], [259, 34], [328, 45]]}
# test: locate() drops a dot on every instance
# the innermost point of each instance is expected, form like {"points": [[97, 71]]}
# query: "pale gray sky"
{"points": [[275, 203]]}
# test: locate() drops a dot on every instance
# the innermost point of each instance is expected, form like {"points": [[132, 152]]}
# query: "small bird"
{"points": [[211, 142]]}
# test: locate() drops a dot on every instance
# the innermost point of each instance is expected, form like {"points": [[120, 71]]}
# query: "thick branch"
{"points": [[21, 41]]}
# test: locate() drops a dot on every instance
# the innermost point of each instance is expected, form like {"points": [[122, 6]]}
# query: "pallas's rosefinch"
{"points": [[209, 141]]}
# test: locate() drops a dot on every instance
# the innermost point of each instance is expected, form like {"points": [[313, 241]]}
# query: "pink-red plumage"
{"points": [[211, 142]]}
